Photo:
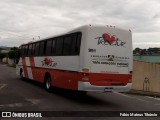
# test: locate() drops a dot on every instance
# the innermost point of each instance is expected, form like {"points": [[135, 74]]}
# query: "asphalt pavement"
{"points": [[17, 95]]}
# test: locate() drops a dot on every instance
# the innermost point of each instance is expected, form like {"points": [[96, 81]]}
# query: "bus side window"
{"points": [[76, 41], [22, 50], [67, 45], [26, 51], [30, 50], [41, 52], [53, 51], [59, 46], [37, 49], [33, 49], [48, 47]]}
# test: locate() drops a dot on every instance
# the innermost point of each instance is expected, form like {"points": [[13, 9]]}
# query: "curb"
{"points": [[147, 93]]}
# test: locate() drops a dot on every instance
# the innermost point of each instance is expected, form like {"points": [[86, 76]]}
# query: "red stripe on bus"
{"points": [[65, 79], [32, 64], [60, 78], [69, 80], [24, 67], [101, 79]]}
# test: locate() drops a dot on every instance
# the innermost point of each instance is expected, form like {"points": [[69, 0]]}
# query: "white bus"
{"points": [[89, 58]]}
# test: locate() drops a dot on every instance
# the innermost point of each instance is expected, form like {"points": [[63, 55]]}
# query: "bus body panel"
{"points": [[86, 86], [120, 49], [63, 76], [104, 62], [108, 56]]}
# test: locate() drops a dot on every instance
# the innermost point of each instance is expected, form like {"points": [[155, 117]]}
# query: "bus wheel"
{"points": [[21, 74], [47, 83]]}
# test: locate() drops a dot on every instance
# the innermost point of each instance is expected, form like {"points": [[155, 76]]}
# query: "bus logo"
{"points": [[48, 62], [112, 40], [110, 57]]}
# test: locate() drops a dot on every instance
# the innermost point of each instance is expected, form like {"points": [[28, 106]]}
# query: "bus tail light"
{"points": [[85, 76]]}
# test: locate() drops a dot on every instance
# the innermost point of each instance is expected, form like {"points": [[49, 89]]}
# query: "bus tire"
{"points": [[82, 93], [47, 83], [21, 74]]}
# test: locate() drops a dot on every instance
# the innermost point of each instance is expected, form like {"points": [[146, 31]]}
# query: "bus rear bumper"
{"points": [[86, 86]]}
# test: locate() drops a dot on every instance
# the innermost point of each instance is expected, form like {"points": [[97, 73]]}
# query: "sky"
{"points": [[23, 20]]}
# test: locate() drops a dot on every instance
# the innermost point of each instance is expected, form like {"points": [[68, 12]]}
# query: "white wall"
{"points": [[146, 76]]}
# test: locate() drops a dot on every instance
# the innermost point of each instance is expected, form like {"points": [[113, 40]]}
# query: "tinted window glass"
{"points": [[26, 50], [30, 50], [48, 47], [74, 41], [33, 49], [64, 45], [37, 49], [42, 47], [23, 51], [78, 43], [59, 46], [67, 45], [53, 47]]}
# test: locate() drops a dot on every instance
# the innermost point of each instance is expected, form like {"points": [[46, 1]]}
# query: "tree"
{"points": [[2, 55], [11, 54], [14, 48], [14, 54]]}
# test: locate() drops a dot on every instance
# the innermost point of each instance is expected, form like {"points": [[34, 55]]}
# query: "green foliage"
{"points": [[2, 55], [11, 54], [14, 48]]}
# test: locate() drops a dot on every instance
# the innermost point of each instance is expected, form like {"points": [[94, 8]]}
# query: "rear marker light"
{"points": [[85, 76], [85, 79], [85, 69]]}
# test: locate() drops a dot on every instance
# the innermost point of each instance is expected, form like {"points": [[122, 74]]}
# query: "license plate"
{"points": [[108, 89]]}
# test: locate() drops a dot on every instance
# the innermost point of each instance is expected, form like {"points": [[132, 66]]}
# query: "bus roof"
{"points": [[78, 29]]}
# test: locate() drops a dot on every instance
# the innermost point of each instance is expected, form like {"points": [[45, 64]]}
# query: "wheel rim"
{"points": [[48, 83]]}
